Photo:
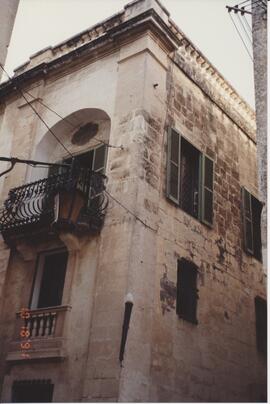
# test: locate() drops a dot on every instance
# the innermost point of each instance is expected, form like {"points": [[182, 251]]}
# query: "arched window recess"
{"points": [[71, 197]]}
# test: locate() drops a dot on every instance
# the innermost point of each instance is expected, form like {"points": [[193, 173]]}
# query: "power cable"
{"points": [[156, 231], [247, 24], [64, 118], [129, 211], [241, 37], [38, 115], [70, 123], [244, 29], [246, 1], [255, 3]]}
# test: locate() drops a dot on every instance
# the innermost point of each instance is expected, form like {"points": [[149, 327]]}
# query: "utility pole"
{"points": [[259, 34]]}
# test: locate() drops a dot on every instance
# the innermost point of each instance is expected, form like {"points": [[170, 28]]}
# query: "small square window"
{"points": [[32, 391], [187, 293]]}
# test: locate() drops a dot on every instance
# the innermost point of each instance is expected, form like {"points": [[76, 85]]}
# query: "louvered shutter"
{"points": [[247, 221], [173, 166], [206, 190]]}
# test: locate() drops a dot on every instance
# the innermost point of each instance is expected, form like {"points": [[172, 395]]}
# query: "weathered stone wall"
{"points": [[216, 360]]}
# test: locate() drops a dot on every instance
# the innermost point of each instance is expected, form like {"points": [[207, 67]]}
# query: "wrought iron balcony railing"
{"points": [[73, 201]]}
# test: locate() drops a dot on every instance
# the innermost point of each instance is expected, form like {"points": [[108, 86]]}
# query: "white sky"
{"points": [[41, 23]]}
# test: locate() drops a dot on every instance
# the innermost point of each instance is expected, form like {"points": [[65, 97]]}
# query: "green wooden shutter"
{"points": [[173, 166], [247, 221], [206, 190]]}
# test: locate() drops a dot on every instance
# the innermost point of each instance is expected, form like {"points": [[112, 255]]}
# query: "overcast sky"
{"points": [[41, 23]]}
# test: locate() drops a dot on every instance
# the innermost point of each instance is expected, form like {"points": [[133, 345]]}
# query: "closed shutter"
{"points": [[206, 177], [247, 221], [173, 166]]}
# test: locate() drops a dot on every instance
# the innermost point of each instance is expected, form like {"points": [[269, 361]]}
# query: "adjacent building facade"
{"points": [[131, 272], [7, 18]]}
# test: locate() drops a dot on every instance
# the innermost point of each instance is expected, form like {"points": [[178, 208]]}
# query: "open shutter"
{"points": [[173, 166], [247, 221], [98, 165], [256, 209], [99, 159], [206, 190]]}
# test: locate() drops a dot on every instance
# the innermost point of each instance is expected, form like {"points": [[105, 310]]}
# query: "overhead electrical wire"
{"points": [[241, 37], [156, 231], [108, 193], [69, 122], [57, 114], [247, 24], [248, 6], [38, 115], [244, 29]]}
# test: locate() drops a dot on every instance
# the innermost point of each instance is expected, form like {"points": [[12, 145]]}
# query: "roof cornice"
{"points": [[106, 35]]}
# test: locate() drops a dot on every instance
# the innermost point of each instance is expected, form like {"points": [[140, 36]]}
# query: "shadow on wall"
{"points": [[78, 132]]}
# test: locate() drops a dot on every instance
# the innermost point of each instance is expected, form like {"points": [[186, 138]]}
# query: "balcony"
{"points": [[74, 201], [39, 335]]}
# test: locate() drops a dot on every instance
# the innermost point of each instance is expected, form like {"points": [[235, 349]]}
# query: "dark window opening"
{"points": [[32, 391], [94, 160], [190, 178], [261, 324], [187, 293], [252, 224], [49, 280]]}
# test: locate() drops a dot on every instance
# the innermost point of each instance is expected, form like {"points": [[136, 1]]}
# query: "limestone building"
{"points": [[131, 269]]}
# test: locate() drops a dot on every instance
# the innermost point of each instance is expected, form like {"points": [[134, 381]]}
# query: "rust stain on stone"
{"points": [[167, 294]]}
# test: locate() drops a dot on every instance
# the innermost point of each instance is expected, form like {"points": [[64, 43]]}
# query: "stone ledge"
{"points": [[41, 354]]}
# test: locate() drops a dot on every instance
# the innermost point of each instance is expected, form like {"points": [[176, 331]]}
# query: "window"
{"points": [[190, 178], [261, 324], [187, 293], [32, 391], [251, 209], [49, 279], [95, 160]]}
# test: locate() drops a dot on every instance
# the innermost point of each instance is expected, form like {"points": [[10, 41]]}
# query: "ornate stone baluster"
{"points": [[41, 325], [34, 325], [47, 324], [53, 323]]}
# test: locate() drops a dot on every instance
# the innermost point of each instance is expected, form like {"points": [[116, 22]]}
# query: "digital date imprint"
{"points": [[25, 334]]}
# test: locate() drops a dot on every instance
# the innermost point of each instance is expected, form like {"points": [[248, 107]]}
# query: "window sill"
{"points": [[209, 226]]}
